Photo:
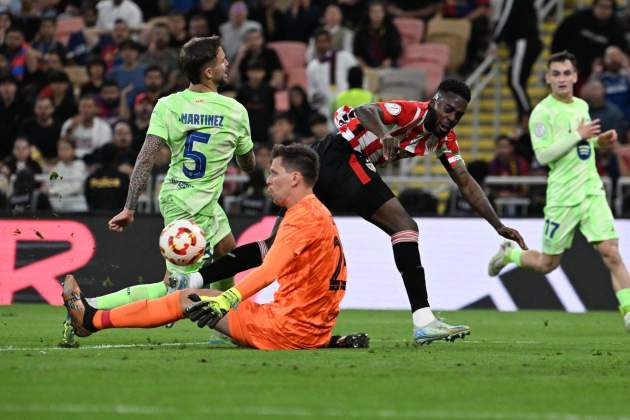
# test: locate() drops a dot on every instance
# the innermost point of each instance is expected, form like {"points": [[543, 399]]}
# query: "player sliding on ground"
{"points": [[377, 134], [203, 130], [306, 258], [564, 138]]}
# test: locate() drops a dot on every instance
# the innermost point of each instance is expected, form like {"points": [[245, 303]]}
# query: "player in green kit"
{"points": [[203, 130], [564, 137]]}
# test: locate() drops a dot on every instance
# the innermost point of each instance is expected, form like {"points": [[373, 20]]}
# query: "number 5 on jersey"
{"points": [[198, 158]]}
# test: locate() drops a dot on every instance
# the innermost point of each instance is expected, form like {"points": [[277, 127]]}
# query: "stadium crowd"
{"points": [[79, 80]]}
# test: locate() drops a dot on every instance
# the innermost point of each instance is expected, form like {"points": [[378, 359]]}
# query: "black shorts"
{"points": [[346, 183]]}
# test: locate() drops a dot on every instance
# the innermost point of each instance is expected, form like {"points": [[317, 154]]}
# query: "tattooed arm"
{"points": [[478, 200], [138, 182]]}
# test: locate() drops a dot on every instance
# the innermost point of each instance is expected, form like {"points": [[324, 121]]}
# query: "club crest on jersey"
{"points": [[583, 150], [539, 129], [392, 108]]}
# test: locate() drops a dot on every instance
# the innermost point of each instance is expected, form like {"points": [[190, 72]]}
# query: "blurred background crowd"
{"points": [[79, 80]]}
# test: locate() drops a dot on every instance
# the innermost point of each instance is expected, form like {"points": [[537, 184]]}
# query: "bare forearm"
{"points": [[142, 170], [246, 162], [369, 117], [478, 200]]}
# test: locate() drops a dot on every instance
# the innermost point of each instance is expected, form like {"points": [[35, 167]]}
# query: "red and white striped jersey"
{"points": [[405, 120]]}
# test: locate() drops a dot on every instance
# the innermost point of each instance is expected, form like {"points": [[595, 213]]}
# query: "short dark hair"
{"points": [[285, 115], [129, 44], [355, 77], [7, 78], [321, 31], [561, 56], [455, 86], [154, 67], [300, 158], [96, 61], [317, 118], [197, 54], [58, 77]]}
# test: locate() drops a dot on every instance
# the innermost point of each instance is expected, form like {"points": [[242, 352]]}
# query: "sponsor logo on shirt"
{"points": [[583, 150], [539, 129], [392, 108]]}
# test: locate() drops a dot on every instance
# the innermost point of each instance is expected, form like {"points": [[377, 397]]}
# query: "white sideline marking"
{"points": [[293, 412], [205, 343]]}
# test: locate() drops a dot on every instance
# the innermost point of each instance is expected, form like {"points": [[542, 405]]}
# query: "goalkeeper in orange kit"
{"points": [[306, 258]]}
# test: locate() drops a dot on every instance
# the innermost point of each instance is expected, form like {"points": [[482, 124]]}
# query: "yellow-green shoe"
{"points": [[625, 312], [67, 335]]}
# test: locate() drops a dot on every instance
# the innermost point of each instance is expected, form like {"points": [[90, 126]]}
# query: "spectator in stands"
{"points": [[283, 129], [26, 189], [254, 202], [198, 26], [159, 52], [106, 188], [342, 37], [607, 163], [42, 131], [6, 20], [352, 11], [141, 116], [130, 72], [517, 26], [34, 82], [108, 101], [301, 19], [59, 90], [523, 142], [234, 30], [178, 30], [271, 18], [319, 128], [108, 47], [377, 40], [213, 13], [45, 41], [67, 181], [609, 115], [258, 98], [153, 83], [81, 42], [507, 163], [477, 12], [300, 111], [252, 50], [86, 130], [588, 32], [419, 9], [111, 10], [21, 58], [96, 69], [11, 113], [615, 76], [123, 141], [322, 85], [355, 95]]}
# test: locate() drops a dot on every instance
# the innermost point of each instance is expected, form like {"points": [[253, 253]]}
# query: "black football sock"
{"points": [[239, 259], [407, 258]]}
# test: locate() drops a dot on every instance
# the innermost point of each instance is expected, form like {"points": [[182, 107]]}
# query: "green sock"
{"points": [[623, 296], [130, 294], [514, 255], [223, 285]]}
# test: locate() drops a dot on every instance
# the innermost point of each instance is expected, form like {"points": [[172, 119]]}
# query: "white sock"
{"points": [[422, 317], [195, 280]]}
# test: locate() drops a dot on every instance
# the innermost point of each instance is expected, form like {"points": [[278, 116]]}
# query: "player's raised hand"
{"points": [[514, 235], [607, 138], [390, 147], [586, 130], [119, 222]]}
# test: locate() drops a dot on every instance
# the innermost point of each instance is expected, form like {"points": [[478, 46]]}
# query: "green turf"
{"points": [[524, 365]]}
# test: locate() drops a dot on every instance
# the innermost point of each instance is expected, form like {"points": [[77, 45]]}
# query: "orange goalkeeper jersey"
{"points": [[307, 260]]}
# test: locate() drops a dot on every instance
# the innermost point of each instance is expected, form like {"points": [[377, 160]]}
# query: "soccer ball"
{"points": [[182, 242]]}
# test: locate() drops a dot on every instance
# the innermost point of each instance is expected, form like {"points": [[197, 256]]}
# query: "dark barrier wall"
{"points": [[35, 254]]}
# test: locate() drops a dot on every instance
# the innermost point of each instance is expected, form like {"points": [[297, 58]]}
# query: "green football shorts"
{"points": [[592, 216], [214, 223]]}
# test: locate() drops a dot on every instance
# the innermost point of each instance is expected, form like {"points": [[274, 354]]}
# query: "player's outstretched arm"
{"points": [[247, 162], [138, 182], [476, 197]]}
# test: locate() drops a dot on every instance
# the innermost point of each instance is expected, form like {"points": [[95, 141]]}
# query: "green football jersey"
{"points": [[573, 176], [203, 131]]}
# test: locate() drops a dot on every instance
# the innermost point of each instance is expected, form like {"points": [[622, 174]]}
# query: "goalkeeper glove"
{"points": [[208, 310]]}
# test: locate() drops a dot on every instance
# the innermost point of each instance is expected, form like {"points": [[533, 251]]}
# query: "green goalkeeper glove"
{"points": [[208, 310]]}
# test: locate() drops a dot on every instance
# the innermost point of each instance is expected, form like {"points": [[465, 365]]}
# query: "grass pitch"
{"points": [[523, 365]]}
